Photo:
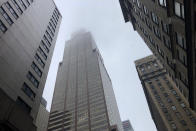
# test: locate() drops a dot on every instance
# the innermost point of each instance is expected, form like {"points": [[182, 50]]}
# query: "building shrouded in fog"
{"points": [[83, 97]]}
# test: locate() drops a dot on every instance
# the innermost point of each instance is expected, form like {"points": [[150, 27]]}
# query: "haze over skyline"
{"points": [[119, 45]]}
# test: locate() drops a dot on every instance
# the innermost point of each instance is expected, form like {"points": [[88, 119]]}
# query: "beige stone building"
{"points": [[169, 108]]}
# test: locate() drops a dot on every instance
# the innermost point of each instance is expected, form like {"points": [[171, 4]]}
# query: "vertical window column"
{"points": [[6, 16], [11, 10]]}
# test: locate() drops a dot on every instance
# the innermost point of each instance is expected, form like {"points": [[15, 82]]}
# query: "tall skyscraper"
{"points": [[83, 97], [28, 32], [169, 108], [168, 29], [127, 126]]}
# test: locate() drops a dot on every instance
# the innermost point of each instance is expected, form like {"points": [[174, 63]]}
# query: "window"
{"points": [[187, 111], [44, 46], [178, 98], [174, 92], [55, 19], [52, 26], [155, 63], [53, 22], [11, 10], [148, 23], [169, 100], [48, 35], [170, 63], [3, 28], [146, 12], [155, 18], [27, 90], [142, 68], [42, 53], [139, 4], [179, 9], [47, 41], [28, 3], [22, 3], [160, 52], [17, 6], [193, 119], [178, 115], [165, 27], [166, 94], [182, 105], [168, 117], [163, 3], [173, 108], [32, 79], [183, 122], [181, 58], [36, 69], [157, 32], [173, 125], [57, 11], [23, 104], [5, 15], [180, 40], [167, 42], [165, 110], [50, 30], [39, 60], [151, 41]]}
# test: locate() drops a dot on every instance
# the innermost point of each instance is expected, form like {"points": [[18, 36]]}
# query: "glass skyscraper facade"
{"points": [[83, 97]]}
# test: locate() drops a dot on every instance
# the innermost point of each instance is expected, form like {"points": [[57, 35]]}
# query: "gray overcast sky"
{"points": [[119, 45]]}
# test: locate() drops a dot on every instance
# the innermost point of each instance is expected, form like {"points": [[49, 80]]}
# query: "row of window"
{"points": [[45, 44], [178, 7], [165, 28], [9, 6], [173, 107], [162, 105], [179, 40], [164, 109], [148, 66]]}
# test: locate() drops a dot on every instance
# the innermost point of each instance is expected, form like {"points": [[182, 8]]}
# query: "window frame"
{"points": [[11, 9], [6, 16], [181, 7]]}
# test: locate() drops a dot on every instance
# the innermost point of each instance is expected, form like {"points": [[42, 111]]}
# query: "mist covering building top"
{"points": [[83, 97]]}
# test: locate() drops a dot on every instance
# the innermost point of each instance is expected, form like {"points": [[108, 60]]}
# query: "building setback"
{"points": [[169, 108], [168, 29], [127, 126], [28, 32], [83, 97], [42, 117]]}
